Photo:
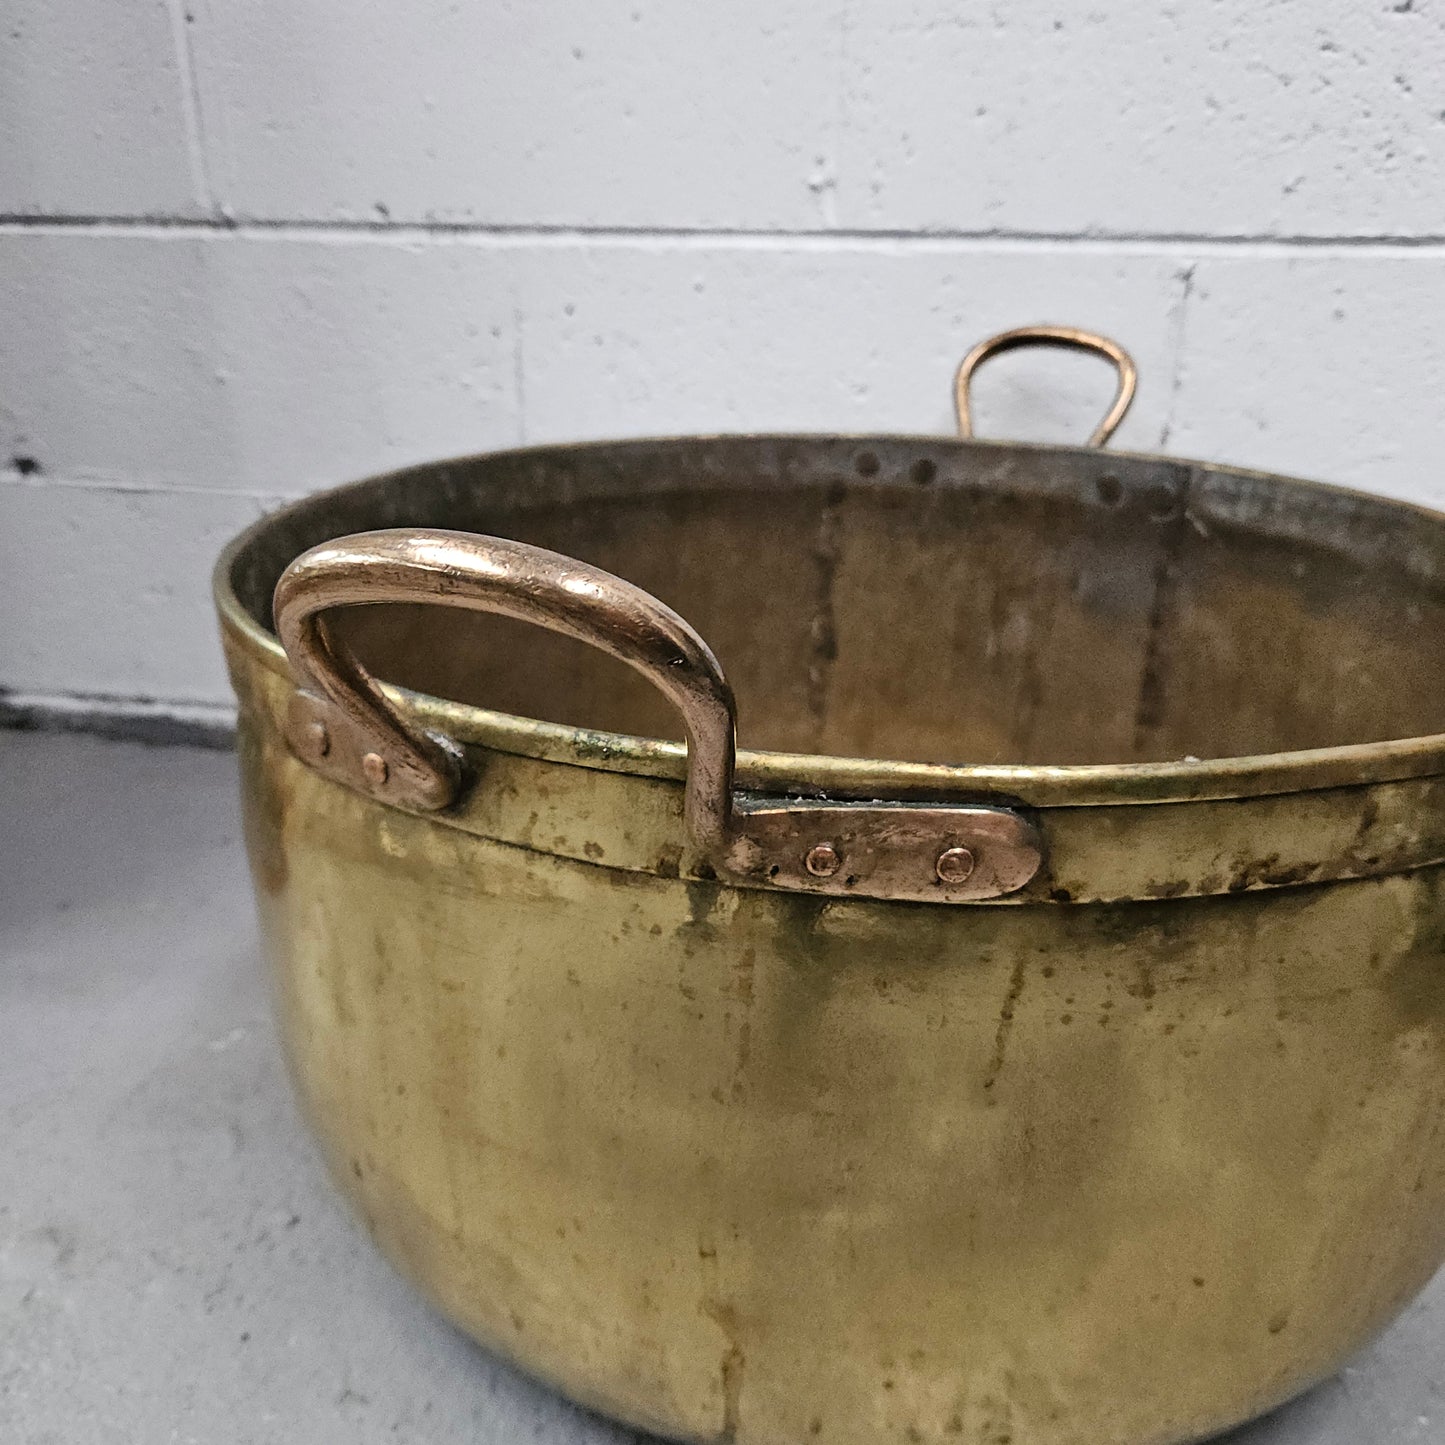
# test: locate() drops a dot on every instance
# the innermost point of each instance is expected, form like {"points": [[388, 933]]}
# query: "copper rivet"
{"points": [[373, 765], [823, 860], [954, 865], [318, 737]]}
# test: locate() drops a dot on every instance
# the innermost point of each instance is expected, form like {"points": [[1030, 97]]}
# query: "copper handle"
{"points": [[491, 574], [1065, 336], [342, 724]]}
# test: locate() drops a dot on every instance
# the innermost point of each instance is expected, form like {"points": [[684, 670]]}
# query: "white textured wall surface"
{"points": [[248, 249]]}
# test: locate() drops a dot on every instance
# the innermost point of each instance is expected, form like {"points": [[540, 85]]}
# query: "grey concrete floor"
{"points": [[173, 1265]]}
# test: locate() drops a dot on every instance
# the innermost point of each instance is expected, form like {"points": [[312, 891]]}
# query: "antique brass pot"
{"points": [[1075, 1077]]}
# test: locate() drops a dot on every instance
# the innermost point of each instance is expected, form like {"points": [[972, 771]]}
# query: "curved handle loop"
{"points": [[398, 763], [1065, 336]]}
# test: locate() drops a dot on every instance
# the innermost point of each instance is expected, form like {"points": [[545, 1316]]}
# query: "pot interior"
{"points": [[932, 601]]}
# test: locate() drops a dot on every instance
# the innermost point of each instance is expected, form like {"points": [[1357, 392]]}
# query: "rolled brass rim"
{"points": [[1036, 785]]}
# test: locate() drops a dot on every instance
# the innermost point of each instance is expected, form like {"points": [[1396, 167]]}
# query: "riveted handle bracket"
{"points": [[914, 852], [343, 725]]}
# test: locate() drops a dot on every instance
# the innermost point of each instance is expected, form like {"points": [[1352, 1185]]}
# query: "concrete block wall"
{"points": [[250, 249]]}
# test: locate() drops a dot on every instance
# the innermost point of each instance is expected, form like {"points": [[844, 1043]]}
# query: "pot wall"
{"points": [[752, 1166]]}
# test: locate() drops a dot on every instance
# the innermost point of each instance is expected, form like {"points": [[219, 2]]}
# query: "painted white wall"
{"points": [[252, 247]]}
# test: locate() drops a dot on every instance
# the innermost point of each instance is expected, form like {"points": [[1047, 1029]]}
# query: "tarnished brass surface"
{"points": [[745, 1165], [1120, 1159]]}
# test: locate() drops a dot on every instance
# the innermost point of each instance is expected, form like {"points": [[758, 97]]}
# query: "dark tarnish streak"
{"points": [[1006, 1023], [827, 546], [1154, 679]]}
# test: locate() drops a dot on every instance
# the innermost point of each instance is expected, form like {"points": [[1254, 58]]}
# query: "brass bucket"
{"points": [[1087, 1092]]}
